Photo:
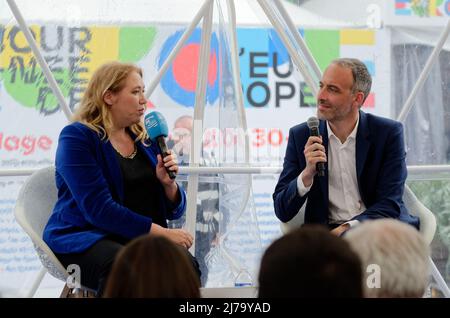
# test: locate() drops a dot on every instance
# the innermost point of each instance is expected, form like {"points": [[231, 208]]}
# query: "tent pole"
{"points": [[240, 106], [197, 129], [424, 75], [422, 172], [187, 33], [292, 52], [237, 77], [301, 43], [40, 59]]}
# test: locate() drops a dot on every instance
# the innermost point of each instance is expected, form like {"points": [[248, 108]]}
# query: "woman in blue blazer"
{"points": [[112, 183]]}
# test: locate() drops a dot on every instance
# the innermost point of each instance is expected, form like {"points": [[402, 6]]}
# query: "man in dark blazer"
{"points": [[364, 157]]}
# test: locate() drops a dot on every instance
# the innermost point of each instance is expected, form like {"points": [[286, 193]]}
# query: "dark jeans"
{"points": [[96, 262], [333, 226], [203, 242]]}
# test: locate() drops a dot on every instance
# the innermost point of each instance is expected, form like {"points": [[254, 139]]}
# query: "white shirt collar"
{"points": [[352, 134]]}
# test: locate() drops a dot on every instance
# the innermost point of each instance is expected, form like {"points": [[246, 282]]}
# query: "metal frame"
{"points": [[440, 282], [424, 74], [237, 77], [42, 63], [187, 33], [205, 13], [313, 85], [425, 172], [199, 114]]}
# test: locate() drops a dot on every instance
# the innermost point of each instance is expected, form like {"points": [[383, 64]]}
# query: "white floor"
{"points": [[48, 292], [229, 292], [50, 287]]}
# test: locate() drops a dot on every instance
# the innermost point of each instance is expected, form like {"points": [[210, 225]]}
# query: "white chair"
{"points": [[295, 222], [427, 228], [415, 207], [34, 205]]}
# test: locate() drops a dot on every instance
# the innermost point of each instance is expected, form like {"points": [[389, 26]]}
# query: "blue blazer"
{"points": [[90, 193], [380, 169]]}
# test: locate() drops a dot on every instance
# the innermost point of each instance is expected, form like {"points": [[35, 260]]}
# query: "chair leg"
{"points": [[76, 293], [65, 292], [442, 285], [36, 283]]}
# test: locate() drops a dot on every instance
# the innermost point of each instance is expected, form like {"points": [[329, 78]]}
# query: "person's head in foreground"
{"points": [[152, 267], [394, 257], [310, 262]]}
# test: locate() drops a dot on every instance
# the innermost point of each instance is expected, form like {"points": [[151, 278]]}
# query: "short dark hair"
{"points": [[152, 267], [310, 262], [362, 81]]}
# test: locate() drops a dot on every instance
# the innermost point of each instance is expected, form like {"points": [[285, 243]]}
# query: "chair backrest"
{"points": [[296, 221], [412, 203], [35, 203], [416, 208]]}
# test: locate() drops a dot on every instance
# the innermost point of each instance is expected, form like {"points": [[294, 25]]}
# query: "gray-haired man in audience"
{"points": [[395, 258]]}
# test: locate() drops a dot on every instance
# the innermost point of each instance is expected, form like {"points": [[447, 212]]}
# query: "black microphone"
{"points": [[313, 125], [157, 130]]}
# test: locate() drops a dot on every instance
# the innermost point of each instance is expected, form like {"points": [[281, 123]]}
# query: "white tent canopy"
{"points": [[142, 12]]}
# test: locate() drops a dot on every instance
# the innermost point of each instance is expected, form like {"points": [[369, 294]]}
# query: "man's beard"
{"points": [[321, 116]]}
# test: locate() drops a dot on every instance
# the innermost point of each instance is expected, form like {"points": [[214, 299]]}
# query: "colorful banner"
{"points": [[275, 95], [416, 13], [422, 9]]}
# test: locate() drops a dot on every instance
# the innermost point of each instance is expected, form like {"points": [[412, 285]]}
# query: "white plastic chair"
{"points": [[34, 205], [295, 222], [415, 207], [427, 228]]}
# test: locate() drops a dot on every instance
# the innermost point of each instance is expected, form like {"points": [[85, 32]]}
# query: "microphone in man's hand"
{"points": [[313, 125], [156, 127]]}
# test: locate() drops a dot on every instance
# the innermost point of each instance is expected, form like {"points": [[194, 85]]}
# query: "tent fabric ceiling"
{"points": [[248, 12]]}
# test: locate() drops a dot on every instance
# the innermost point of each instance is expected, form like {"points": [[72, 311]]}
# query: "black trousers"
{"points": [[96, 262], [333, 226]]}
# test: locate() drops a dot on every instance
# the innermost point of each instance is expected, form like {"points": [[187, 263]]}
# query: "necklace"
{"points": [[131, 156]]}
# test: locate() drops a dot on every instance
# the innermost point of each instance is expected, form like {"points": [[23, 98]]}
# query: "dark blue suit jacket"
{"points": [[380, 169], [90, 193]]}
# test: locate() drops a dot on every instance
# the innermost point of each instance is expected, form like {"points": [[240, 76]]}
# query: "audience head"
{"points": [[152, 267], [310, 262], [394, 257]]}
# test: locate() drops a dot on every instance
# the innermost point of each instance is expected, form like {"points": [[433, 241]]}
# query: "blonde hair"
{"points": [[93, 111]]}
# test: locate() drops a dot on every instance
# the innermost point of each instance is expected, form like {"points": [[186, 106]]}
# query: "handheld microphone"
{"points": [[313, 125], [156, 127]]}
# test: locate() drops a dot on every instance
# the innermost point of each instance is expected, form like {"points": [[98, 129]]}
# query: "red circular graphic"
{"points": [[185, 67]]}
